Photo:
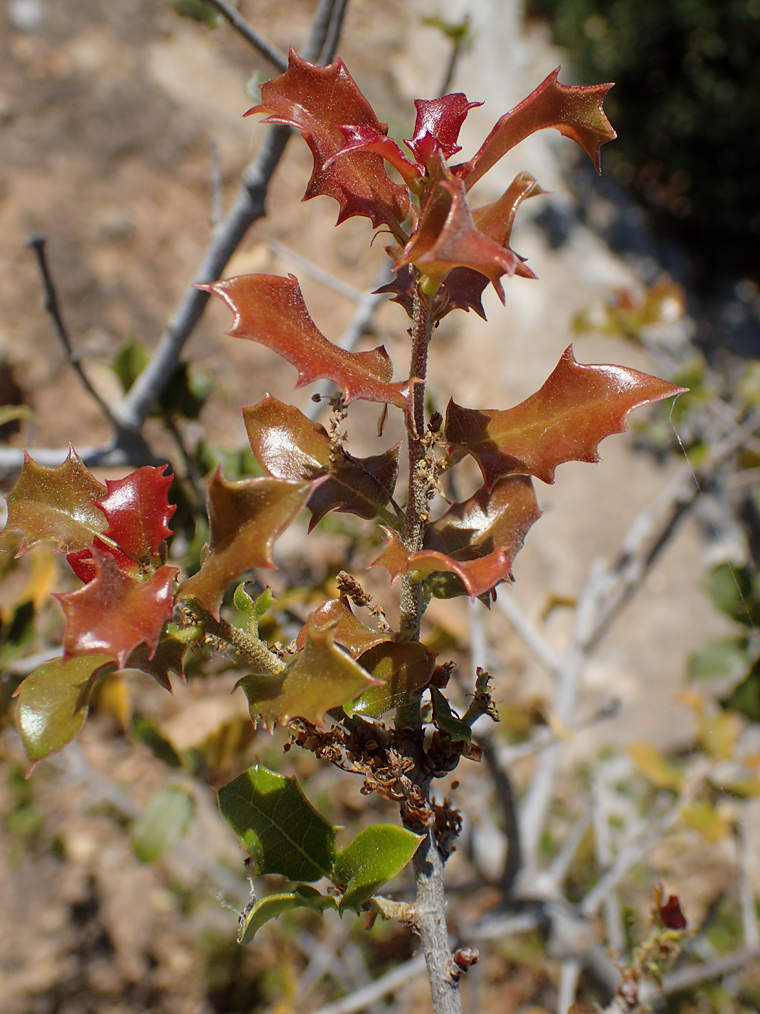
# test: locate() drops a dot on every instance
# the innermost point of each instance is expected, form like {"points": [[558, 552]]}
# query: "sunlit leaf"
{"points": [[277, 825], [478, 576], [137, 509], [245, 519], [437, 126], [53, 702], [576, 408], [56, 504], [290, 446], [163, 822], [266, 909], [574, 110], [376, 854], [347, 629], [270, 310], [358, 181], [320, 677], [115, 612]]}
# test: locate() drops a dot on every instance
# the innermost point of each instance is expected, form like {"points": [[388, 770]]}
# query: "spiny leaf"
{"points": [[115, 612], [574, 110], [403, 669], [273, 905], [163, 822], [498, 518], [376, 854], [436, 129], [53, 702], [138, 510], [445, 720], [168, 656], [446, 238], [245, 518], [320, 102], [478, 576], [288, 445], [348, 630], [277, 825], [320, 677], [56, 504], [270, 310], [576, 408]]}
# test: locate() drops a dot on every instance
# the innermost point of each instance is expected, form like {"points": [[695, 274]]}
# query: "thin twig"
{"points": [[568, 984], [528, 632], [217, 209], [395, 979], [312, 270], [249, 33], [37, 243], [602, 842], [746, 894], [430, 923]]}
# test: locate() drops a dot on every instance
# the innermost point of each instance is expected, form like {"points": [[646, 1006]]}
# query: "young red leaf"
{"points": [[576, 408], [447, 238], [270, 310], [498, 518], [245, 518], [56, 504], [320, 677], [348, 630], [288, 445], [574, 110], [138, 510], [478, 576], [53, 701], [321, 102], [436, 129], [115, 612], [83, 564]]}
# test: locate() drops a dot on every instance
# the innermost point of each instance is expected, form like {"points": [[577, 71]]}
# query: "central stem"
{"points": [[416, 508]]}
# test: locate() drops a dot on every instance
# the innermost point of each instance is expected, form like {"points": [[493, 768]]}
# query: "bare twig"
{"points": [[746, 894], [395, 979], [528, 632], [612, 916], [568, 984], [37, 243], [430, 923], [216, 184], [249, 33]]}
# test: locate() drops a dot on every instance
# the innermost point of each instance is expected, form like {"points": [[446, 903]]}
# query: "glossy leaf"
{"points": [[56, 504], [576, 408], [376, 854], [245, 519], [270, 310], [163, 822], [277, 825], [403, 670], [320, 677], [137, 509], [447, 238], [347, 629], [115, 612], [274, 905], [288, 445], [498, 518], [574, 110], [437, 126], [478, 576], [320, 102], [53, 702], [446, 721], [168, 656]]}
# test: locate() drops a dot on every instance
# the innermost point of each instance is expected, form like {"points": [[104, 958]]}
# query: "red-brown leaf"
{"points": [[436, 129], [320, 677], [56, 504], [245, 519], [270, 310], [348, 630], [138, 510], [288, 445], [478, 576], [115, 612], [403, 669], [576, 408], [321, 102], [574, 110]]}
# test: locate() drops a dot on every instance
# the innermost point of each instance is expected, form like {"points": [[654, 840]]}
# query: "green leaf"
{"points": [[275, 904], [446, 721], [374, 856], [732, 590], [162, 823], [404, 669], [53, 702], [198, 10], [320, 677], [723, 656], [277, 825], [745, 698]]}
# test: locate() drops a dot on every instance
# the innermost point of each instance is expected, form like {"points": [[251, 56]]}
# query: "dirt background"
{"points": [[107, 115]]}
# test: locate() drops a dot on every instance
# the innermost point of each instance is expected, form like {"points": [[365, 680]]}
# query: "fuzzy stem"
{"points": [[256, 653], [430, 923], [416, 508]]}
